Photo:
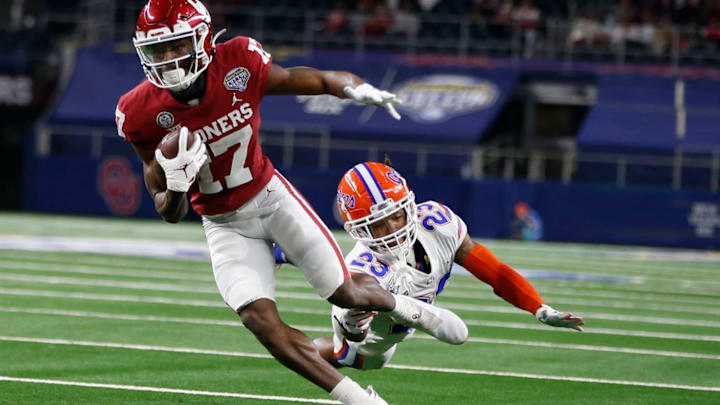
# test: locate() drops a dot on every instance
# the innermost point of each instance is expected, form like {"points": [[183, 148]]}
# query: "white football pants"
{"points": [[241, 250]]}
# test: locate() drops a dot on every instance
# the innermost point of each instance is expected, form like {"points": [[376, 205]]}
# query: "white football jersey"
{"points": [[439, 233]]}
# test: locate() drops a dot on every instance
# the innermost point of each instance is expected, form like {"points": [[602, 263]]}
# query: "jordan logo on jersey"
{"points": [[237, 79]]}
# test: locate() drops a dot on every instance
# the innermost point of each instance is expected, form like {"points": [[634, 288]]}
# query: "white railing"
{"points": [[313, 147]]}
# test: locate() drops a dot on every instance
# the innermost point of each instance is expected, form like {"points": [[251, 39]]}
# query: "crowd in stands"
{"points": [[648, 27], [637, 25]]}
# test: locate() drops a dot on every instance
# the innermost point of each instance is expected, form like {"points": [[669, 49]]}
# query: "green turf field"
{"points": [[99, 328]]}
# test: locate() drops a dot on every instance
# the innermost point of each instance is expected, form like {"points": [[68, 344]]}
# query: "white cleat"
{"points": [[437, 322], [374, 397]]}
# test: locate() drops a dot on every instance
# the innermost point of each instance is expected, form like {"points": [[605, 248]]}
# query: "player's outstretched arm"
{"points": [[510, 285], [302, 80]]}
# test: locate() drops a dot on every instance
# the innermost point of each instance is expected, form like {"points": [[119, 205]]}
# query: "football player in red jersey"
{"points": [[213, 94]]}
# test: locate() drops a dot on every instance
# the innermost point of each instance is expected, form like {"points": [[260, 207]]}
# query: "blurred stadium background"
{"points": [[603, 116]]}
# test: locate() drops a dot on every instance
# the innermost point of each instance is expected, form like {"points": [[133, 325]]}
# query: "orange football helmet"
{"points": [[370, 192]]}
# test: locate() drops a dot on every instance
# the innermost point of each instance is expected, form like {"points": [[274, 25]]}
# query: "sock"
{"points": [[349, 392], [408, 310]]}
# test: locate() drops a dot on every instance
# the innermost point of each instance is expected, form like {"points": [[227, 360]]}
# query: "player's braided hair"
{"points": [[387, 160]]}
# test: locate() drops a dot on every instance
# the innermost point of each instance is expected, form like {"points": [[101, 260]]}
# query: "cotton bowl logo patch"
{"points": [[237, 79], [436, 98], [165, 119]]}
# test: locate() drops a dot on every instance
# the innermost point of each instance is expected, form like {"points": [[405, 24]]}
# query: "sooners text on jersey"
{"points": [[227, 120]]}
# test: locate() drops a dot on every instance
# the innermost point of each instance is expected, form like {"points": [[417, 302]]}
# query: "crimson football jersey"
{"points": [[227, 120]]}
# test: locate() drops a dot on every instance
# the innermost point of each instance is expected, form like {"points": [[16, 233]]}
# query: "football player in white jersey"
{"points": [[409, 250]]}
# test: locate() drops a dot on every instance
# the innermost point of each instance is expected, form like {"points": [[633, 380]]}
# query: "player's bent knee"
{"points": [[261, 318]]}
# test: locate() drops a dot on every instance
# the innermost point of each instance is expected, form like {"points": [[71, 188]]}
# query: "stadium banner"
{"points": [[440, 103], [112, 186]]}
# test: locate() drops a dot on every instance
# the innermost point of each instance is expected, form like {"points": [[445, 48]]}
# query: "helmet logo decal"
{"points": [[237, 79], [345, 200], [394, 177], [165, 119]]}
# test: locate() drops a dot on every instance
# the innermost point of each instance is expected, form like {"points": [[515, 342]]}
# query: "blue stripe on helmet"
{"points": [[365, 184], [375, 180]]}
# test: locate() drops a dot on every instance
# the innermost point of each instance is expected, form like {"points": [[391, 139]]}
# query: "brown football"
{"points": [[170, 142]]}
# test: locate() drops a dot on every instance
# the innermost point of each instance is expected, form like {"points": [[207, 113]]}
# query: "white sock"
{"points": [[349, 392], [408, 310]]}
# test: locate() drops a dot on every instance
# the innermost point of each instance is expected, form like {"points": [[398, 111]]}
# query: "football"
{"points": [[169, 144]]}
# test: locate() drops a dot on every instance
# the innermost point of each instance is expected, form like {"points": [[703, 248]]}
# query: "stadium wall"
{"points": [[572, 213]]}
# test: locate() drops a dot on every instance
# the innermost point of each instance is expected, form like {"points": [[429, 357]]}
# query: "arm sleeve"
{"points": [[506, 282]]}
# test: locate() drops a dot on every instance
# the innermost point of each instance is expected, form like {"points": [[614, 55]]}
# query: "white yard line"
{"points": [[161, 248], [167, 390], [133, 285], [176, 265], [598, 331], [94, 270], [481, 290], [393, 366], [208, 278], [615, 265], [507, 309], [202, 321], [614, 303], [313, 296], [321, 312]]}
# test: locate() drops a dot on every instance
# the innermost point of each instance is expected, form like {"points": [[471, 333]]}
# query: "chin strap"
{"points": [[215, 38]]}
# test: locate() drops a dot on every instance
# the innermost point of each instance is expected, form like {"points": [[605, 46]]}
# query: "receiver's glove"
{"points": [[367, 94], [181, 170], [355, 321]]}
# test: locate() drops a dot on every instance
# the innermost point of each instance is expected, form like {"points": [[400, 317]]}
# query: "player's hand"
{"points": [[547, 315], [367, 94], [181, 170], [355, 321]]}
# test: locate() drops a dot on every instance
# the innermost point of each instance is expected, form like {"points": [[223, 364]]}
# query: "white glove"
{"points": [[547, 315], [181, 170], [367, 94], [355, 321]]}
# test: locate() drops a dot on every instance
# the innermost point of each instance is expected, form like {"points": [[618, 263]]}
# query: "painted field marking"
{"points": [[313, 296], [392, 366], [294, 309], [94, 270], [455, 294], [201, 321], [167, 390]]}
